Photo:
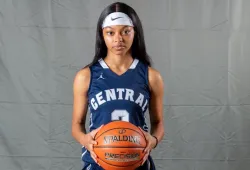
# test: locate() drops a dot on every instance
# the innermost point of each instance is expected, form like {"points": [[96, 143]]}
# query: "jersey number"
{"points": [[120, 115]]}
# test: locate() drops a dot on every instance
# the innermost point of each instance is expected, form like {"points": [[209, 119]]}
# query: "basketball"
{"points": [[119, 146]]}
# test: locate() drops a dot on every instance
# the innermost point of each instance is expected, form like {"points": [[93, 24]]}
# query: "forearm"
{"points": [[78, 132], [157, 130]]}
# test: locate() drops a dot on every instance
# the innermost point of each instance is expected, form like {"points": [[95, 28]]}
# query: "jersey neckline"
{"points": [[105, 66]]}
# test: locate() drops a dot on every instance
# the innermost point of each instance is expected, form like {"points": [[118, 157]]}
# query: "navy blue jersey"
{"points": [[117, 97]]}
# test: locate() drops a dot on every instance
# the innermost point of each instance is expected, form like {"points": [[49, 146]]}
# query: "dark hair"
{"points": [[138, 47]]}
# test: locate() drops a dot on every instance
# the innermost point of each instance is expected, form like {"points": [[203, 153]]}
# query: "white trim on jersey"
{"points": [[88, 168], [104, 65], [91, 121], [133, 65], [84, 153]]}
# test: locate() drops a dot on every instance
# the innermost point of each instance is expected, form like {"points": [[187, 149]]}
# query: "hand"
{"points": [[151, 142], [89, 142]]}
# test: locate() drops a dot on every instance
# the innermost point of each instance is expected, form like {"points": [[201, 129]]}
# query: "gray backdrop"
{"points": [[201, 48]]}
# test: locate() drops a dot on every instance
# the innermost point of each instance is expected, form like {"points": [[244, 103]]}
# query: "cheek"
{"points": [[108, 41], [131, 38]]}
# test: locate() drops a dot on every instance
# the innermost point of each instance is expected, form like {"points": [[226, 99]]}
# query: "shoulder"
{"points": [[154, 75], [155, 79], [83, 74], [82, 79]]}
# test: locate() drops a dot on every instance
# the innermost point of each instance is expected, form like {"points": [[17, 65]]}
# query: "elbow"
{"points": [[158, 124], [74, 131]]}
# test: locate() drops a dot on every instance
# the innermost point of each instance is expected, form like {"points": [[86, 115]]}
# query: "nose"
{"points": [[118, 38]]}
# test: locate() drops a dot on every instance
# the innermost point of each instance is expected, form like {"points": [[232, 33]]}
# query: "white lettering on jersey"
{"points": [[93, 103], [110, 94], [145, 104], [100, 99], [119, 90], [129, 94], [139, 100], [118, 94]]}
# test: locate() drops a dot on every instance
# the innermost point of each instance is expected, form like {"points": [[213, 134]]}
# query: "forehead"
{"points": [[118, 27]]}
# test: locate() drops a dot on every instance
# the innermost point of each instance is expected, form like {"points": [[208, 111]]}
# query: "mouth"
{"points": [[119, 47]]}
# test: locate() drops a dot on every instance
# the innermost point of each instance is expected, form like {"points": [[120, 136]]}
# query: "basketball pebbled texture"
{"points": [[119, 146]]}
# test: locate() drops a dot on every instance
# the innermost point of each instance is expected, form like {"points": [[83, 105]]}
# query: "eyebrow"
{"points": [[121, 28]]}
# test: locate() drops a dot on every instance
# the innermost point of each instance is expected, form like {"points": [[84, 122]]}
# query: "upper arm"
{"points": [[80, 96], [156, 86]]}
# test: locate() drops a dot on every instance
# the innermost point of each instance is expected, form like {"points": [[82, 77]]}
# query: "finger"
{"points": [[93, 157], [93, 142], [92, 151], [147, 148], [147, 144], [145, 158], [147, 152]]}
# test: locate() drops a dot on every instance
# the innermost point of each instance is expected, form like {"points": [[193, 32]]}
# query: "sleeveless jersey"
{"points": [[117, 97]]}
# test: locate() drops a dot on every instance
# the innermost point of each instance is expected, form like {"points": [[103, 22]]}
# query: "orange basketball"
{"points": [[119, 146]]}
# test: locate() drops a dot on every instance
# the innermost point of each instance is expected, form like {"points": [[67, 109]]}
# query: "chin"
{"points": [[119, 52]]}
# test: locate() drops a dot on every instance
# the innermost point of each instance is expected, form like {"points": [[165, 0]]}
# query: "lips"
{"points": [[119, 47]]}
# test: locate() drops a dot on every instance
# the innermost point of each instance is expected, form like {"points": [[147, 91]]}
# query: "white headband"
{"points": [[117, 18]]}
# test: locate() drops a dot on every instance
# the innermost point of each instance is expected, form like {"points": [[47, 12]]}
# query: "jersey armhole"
{"points": [[90, 80], [147, 78]]}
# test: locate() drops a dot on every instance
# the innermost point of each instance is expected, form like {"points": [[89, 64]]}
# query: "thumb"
{"points": [[93, 132], [99, 128], [142, 130]]}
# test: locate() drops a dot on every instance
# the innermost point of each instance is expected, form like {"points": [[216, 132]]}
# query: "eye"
{"points": [[110, 32], [125, 32]]}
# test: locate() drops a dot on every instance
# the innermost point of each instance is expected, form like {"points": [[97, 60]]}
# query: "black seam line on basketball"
{"points": [[119, 128], [117, 146], [120, 165]]}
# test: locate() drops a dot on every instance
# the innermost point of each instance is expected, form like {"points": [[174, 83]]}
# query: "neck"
{"points": [[117, 61]]}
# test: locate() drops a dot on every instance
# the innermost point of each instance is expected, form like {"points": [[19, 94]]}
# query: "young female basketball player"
{"points": [[119, 84]]}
